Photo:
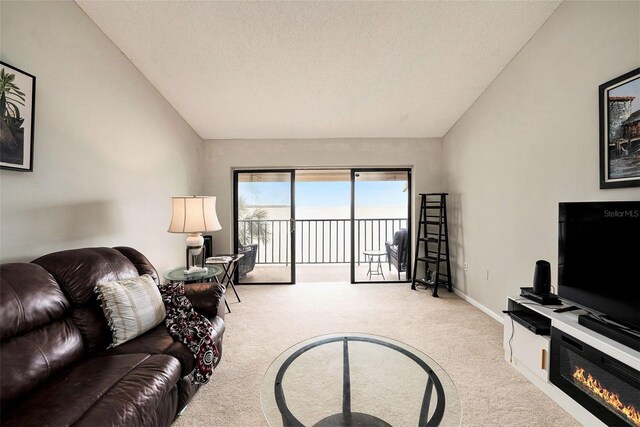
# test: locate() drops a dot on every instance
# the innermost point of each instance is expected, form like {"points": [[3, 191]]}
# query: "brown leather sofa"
{"points": [[55, 368]]}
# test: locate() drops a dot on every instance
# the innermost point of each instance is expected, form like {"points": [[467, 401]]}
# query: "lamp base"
{"points": [[195, 243], [195, 240]]}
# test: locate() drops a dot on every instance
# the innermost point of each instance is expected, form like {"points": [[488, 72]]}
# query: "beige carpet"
{"points": [[463, 340]]}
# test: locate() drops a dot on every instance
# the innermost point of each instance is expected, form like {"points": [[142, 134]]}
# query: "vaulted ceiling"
{"points": [[320, 69]]}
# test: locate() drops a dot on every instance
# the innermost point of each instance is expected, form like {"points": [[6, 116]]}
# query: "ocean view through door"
{"points": [[381, 249], [313, 209]]}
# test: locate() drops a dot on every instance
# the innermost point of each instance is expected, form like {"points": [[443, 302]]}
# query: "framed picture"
{"points": [[620, 131], [17, 107]]}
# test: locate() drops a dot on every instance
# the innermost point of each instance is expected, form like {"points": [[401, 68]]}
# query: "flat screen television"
{"points": [[599, 258]]}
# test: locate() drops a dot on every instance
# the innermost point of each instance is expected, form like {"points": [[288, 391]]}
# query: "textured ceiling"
{"points": [[320, 69]]}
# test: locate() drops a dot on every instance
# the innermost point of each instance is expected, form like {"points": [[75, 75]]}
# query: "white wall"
{"points": [[222, 156], [531, 141], [109, 149]]}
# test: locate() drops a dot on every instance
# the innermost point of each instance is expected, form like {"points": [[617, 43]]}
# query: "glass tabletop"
{"points": [[357, 379], [178, 275], [224, 259], [374, 252]]}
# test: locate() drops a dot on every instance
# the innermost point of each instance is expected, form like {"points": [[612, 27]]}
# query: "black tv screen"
{"points": [[599, 258]]}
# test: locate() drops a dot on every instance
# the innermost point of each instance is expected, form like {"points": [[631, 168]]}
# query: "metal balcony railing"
{"points": [[318, 241]]}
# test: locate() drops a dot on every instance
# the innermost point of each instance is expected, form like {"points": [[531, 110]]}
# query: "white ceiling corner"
{"points": [[319, 69]]}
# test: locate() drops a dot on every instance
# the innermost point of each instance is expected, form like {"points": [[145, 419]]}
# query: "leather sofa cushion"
{"points": [[110, 390], [94, 327], [140, 262], [29, 298], [78, 271], [30, 359], [38, 337], [158, 341]]}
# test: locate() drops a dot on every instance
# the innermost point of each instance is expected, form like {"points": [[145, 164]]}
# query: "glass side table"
{"points": [[178, 275]]}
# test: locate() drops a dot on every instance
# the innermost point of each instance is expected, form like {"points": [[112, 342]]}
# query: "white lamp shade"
{"points": [[195, 214]]}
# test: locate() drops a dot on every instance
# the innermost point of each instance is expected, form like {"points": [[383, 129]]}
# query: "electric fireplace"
{"points": [[606, 387]]}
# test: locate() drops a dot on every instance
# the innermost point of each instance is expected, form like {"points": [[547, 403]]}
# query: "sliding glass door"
{"points": [[381, 230], [265, 226], [365, 241]]}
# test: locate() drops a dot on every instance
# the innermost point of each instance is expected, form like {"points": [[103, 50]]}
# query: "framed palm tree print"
{"points": [[17, 108]]}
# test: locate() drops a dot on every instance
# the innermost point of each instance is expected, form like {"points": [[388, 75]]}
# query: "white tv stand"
{"points": [[529, 353]]}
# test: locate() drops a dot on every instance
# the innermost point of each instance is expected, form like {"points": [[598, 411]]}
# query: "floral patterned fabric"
{"points": [[192, 329]]}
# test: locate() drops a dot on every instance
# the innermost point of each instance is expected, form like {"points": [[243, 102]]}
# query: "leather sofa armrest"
{"points": [[206, 298]]}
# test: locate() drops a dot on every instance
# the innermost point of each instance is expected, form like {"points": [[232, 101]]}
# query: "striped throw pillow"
{"points": [[132, 307]]}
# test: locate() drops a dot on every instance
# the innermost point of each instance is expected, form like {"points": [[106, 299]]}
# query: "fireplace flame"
{"points": [[611, 399]]}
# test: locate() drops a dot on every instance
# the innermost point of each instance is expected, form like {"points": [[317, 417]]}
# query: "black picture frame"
{"points": [[18, 119], [619, 102]]}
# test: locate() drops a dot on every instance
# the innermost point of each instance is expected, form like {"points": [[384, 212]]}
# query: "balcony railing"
{"points": [[318, 241]]}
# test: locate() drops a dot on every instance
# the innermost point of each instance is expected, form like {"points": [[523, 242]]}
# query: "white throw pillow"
{"points": [[132, 307]]}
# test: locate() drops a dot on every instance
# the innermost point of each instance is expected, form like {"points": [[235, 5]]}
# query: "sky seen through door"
{"points": [[368, 193]]}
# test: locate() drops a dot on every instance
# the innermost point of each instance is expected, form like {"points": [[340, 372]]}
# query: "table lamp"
{"points": [[194, 215]]}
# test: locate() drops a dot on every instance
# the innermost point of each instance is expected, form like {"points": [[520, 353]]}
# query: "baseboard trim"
{"points": [[479, 306]]}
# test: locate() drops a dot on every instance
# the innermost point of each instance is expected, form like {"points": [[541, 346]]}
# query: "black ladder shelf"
{"points": [[432, 247]]}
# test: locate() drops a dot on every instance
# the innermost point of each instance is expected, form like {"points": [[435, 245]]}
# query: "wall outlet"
{"points": [[466, 267]]}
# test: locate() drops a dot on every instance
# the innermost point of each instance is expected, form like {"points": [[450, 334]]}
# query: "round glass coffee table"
{"points": [[357, 380]]}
